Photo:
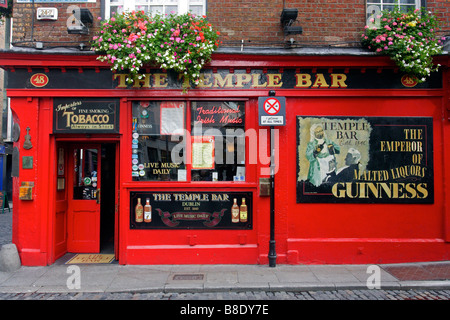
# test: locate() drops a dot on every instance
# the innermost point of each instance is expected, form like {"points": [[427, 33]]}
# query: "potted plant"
{"points": [[130, 40], [408, 38]]}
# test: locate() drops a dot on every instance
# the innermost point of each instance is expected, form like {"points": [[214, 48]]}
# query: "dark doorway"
{"points": [[108, 198]]}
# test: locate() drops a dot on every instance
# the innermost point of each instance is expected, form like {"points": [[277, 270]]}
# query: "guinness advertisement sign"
{"points": [[85, 115], [365, 160]]}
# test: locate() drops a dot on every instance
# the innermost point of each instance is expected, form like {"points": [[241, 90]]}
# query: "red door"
{"points": [[84, 198]]}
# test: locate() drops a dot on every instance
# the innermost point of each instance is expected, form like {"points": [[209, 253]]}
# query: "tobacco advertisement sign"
{"points": [[86, 115]]}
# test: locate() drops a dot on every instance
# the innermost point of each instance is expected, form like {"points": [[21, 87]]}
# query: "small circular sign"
{"points": [[39, 80], [409, 81], [272, 106]]}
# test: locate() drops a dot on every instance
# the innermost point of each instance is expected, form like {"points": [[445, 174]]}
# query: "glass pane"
{"points": [[158, 141], [115, 9], [142, 8], [407, 8], [85, 174], [197, 10], [218, 141], [156, 9], [171, 9]]}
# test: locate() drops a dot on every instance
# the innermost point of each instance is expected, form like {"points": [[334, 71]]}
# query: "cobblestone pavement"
{"points": [[5, 227], [238, 296]]}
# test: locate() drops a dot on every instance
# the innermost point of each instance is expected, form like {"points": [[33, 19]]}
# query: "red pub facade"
{"points": [[161, 176]]}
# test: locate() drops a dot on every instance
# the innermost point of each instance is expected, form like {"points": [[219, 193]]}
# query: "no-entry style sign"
{"points": [[272, 111]]}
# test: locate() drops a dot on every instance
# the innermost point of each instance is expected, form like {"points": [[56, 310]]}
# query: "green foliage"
{"points": [[130, 40], [408, 38]]}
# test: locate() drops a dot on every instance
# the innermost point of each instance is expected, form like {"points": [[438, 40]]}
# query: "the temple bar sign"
{"points": [[73, 115]]}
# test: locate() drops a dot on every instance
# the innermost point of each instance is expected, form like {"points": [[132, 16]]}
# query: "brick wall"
{"points": [[257, 22], [53, 32], [323, 21]]}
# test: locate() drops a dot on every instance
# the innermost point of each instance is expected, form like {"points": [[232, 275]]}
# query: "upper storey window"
{"points": [[375, 7], [197, 7]]}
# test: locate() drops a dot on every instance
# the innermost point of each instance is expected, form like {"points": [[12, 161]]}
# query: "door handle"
{"points": [[98, 196]]}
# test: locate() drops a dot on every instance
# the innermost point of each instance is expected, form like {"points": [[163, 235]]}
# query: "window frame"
{"points": [[187, 138], [130, 5], [382, 4]]}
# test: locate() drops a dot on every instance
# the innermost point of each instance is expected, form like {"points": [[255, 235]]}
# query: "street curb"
{"points": [[201, 288]]}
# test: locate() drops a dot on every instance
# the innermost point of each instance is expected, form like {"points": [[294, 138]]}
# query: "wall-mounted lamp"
{"points": [[81, 17], [287, 19]]}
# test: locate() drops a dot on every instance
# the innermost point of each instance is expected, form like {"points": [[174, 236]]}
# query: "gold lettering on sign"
{"points": [[237, 80]]}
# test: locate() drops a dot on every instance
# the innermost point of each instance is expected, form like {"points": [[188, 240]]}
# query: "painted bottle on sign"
{"points": [[243, 211], [139, 211], [147, 211], [235, 212]]}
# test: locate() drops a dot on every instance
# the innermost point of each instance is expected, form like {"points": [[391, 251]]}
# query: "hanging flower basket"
{"points": [[130, 40], [408, 38]]}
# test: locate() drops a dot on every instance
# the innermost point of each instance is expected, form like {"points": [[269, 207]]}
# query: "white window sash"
{"points": [[130, 5]]}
